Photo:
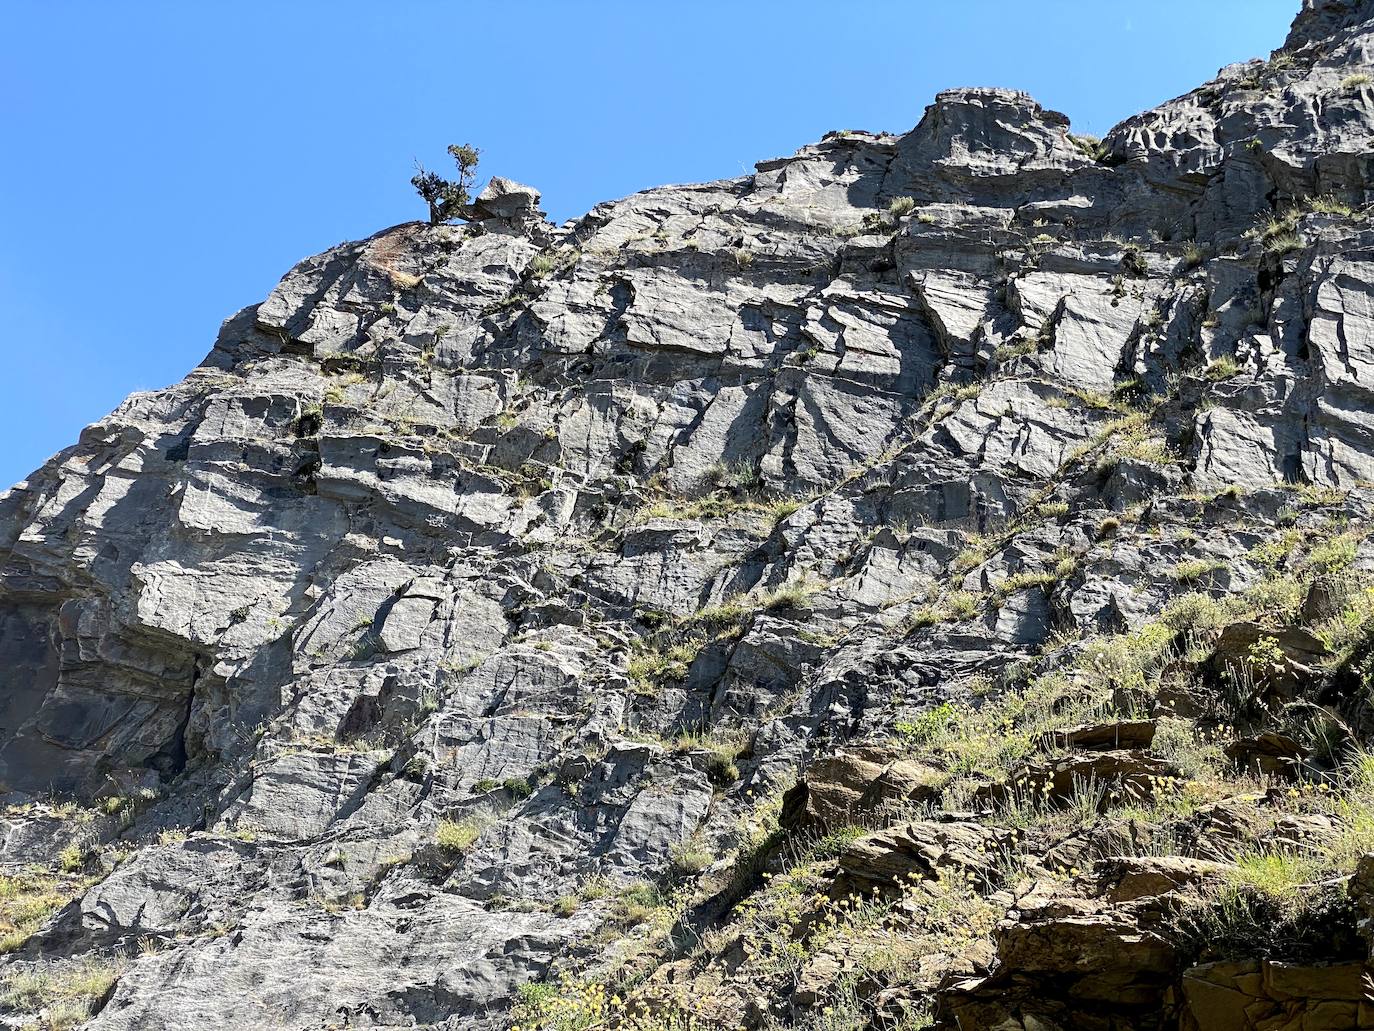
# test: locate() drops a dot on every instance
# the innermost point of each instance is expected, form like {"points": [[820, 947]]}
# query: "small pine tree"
{"points": [[447, 197]]}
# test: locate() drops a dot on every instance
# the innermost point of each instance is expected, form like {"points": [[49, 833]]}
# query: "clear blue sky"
{"points": [[165, 163]]}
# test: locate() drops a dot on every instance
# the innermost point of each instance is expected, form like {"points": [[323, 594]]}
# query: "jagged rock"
{"points": [[506, 199], [851, 786], [1267, 753], [921, 850], [1279, 662], [466, 612], [1131, 735]]}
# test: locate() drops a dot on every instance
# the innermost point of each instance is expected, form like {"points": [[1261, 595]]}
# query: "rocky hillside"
{"points": [[924, 583]]}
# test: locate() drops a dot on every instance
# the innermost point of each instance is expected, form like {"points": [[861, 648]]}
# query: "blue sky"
{"points": [[166, 163]]}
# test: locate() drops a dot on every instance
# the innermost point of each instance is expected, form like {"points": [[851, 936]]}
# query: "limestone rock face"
{"points": [[479, 597]]}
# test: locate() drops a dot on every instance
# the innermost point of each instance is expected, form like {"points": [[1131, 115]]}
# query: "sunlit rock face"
{"points": [[468, 613]]}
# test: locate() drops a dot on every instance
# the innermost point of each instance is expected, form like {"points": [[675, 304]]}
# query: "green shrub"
{"points": [[447, 198], [831, 845], [73, 857], [1336, 554], [930, 726], [1349, 629], [689, 859]]}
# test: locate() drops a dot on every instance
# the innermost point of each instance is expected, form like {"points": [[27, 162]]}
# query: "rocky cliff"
{"points": [[924, 583]]}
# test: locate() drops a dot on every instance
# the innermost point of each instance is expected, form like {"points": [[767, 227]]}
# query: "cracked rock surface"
{"points": [[611, 608]]}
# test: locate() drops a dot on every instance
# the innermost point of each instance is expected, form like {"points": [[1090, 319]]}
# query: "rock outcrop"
{"points": [[441, 650]]}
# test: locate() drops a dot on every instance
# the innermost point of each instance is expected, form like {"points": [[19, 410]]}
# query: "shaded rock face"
{"points": [[485, 575]]}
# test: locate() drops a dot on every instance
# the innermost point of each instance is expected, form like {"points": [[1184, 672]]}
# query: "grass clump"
{"points": [[901, 206], [1280, 876], [1222, 368], [1278, 233], [638, 903], [1025, 581], [542, 264], [724, 750], [1191, 571], [1194, 254], [791, 596], [976, 551], [458, 836], [929, 727], [1128, 437], [954, 607], [737, 477], [653, 665], [1090, 146], [27, 900], [69, 993], [727, 617], [689, 859], [829, 846]]}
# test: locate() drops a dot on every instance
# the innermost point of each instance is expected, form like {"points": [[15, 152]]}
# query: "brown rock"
{"points": [[1215, 1007], [889, 858], [1325, 598], [840, 789], [1128, 878], [1331, 1016], [1105, 957], [1267, 753], [1130, 734], [1291, 981], [1121, 773], [1242, 649]]}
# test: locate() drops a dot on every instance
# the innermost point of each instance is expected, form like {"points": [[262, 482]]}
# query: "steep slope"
{"points": [[924, 582]]}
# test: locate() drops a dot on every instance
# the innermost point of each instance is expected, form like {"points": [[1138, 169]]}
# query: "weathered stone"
{"points": [[891, 859], [1133, 734], [851, 786], [473, 601]]}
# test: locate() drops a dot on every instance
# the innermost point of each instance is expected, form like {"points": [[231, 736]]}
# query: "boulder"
{"points": [[852, 786], [892, 859]]}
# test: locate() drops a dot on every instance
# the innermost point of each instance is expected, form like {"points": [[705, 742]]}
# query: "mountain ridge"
{"points": [[921, 583]]}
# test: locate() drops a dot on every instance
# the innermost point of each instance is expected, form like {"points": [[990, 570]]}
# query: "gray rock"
{"points": [[481, 573]]}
